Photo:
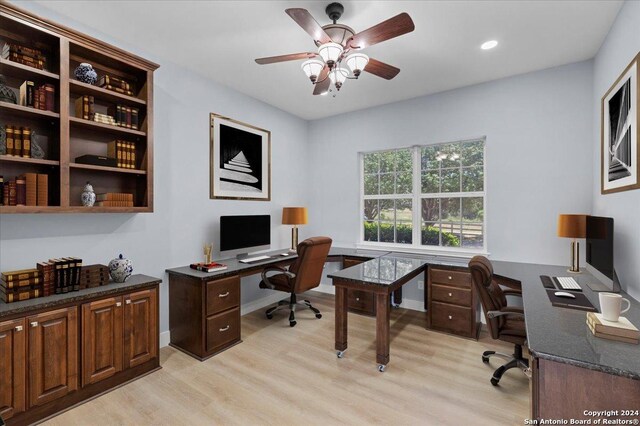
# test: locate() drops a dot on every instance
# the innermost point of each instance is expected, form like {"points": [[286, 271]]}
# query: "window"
{"points": [[430, 196]]}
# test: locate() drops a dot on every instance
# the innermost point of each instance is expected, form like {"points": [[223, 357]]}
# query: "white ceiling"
{"points": [[221, 39]]}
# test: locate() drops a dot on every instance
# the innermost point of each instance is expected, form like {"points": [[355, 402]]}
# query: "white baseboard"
{"points": [[165, 338], [254, 305]]}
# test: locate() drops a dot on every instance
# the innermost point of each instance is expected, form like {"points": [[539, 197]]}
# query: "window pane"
{"points": [[403, 210], [404, 233], [472, 209], [386, 232], [450, 208], [404, 161], [404, 183], [472, 179], [387, 183], [472, 235], [370, 231], [430, 209], [450, 155], [450, 180], [428, 158], [371, 185], [450, 234], [387, 210], [431, 182], [371, 209], [387, 161], [472, 153], [371, 162], [430, 234]]}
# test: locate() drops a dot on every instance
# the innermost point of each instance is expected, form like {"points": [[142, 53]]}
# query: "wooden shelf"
{"points": [[81, 88], [107, 169], [14, 69], [94, 125], [14, 159], [28, 112], [71, 209]]}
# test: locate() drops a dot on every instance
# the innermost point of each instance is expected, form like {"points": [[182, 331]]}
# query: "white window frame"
{"points": [[416, 197]]}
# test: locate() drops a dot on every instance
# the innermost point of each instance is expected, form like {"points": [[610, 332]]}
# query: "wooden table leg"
{"points": [[341, 319], [382, 330]]}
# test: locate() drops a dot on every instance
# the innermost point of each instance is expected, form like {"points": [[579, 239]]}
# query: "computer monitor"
{"points": [[241, 234], [600, 253]]}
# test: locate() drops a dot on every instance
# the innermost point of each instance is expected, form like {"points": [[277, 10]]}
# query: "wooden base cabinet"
{"points": [[140, 328], [13, 367], [102, 334]]}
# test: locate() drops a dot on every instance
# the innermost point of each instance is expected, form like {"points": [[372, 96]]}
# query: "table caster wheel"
{"points": [[318, 316], [381, 367], [340, 354]]}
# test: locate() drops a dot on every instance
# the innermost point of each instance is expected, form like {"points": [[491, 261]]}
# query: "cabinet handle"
{"points": [[223, 295], [357, 299], [450, 295], [128, 301], [450, 277], [450, 317], [225, 329], [34, 324], [18, 328], [118, 304]]}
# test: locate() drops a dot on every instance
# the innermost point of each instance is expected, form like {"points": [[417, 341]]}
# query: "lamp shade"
{"points": [[572, 225], [357, 61], [330, 51], [312, 67], [338, 75], [294, 216]]}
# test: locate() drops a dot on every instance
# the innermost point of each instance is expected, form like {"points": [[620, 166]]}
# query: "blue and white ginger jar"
{"points": [[86, 74], [120, 269], [88, 197]]}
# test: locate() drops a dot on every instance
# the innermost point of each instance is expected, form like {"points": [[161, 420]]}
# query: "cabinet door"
{"points": [[53, 355], [101, 339], [13, 352], [140, 327]]}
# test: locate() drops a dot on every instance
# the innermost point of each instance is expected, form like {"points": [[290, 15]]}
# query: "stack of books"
{"points": [[124, 152], [116, 84], [114, 199], [18, 141], [621, 331], [29, 189], [125, 116], [29, 56], [104, 118], [20, 285], [94, 276], [208, 267]]}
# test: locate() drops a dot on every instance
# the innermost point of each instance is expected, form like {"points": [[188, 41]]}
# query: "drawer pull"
{"points": [[118, 304], [225, 328], [450, 317], [357, 299], [34, 324], [450, 277], [18, 328], [223, 295], [450, 294], [128, 301]]}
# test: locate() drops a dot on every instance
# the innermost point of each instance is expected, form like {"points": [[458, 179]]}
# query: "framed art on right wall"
{"points": [[620, 142]]}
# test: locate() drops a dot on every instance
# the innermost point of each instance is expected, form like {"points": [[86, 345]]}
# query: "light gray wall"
{"points": [[184, 216], [539, 156], [619, 48]]}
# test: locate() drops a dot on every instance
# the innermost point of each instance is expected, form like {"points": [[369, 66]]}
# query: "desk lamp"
{"points": [[294, 216], [573, 226]]}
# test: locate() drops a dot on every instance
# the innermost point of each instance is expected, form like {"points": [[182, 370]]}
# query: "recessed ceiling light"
{"points": [[489, 45]]}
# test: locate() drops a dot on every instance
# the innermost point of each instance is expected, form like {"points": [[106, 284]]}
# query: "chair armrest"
{"points": [[508, 282], [279, 271], [496, 314], [511, 292]]}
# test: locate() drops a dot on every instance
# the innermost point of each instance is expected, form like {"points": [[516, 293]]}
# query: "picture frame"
{"points": [[240, 160], [619, 138]]}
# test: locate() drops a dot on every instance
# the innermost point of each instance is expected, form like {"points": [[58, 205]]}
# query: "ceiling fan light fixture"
{"points": [[338, 76], [312, 68], [330, 52], [357, 62]]}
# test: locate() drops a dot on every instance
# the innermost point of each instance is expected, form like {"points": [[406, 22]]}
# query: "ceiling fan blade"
{"points": [[284, 58], [325, 82], [381, 69], [310, 25], [393, 27]]}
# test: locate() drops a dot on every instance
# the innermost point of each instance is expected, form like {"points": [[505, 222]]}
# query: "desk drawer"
{"points": [[223, 294], [223, 330], [349, 262], [361, 302], [455, 278], [453, 295], [451, 318]]}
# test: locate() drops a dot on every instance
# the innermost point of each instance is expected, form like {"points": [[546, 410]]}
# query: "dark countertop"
{"points": [[561, 334], [133, 282], [385, 270]]}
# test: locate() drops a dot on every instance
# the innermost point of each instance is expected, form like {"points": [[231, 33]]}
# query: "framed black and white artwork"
{"points": [[240, 164], [620, 116]]}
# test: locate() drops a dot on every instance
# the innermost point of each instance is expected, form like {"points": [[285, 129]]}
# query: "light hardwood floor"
{"points": [[282, 375]]}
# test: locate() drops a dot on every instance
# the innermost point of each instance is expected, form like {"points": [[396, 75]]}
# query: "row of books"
{"points": [[114, 199], [116, 84], [125, 116], [42, 98], [117, 115], [29, 56], [124, 152], [18, 141], [29, 189], [622, 330]]}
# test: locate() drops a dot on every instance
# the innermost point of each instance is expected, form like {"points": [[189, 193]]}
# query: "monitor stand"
{"points": [[597, 286]]}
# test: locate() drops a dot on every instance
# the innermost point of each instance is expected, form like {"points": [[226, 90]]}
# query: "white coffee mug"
{"points": [[611, 306]]}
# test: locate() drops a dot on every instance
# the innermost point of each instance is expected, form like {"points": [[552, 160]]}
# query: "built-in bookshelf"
{"points": [[62, 134]]}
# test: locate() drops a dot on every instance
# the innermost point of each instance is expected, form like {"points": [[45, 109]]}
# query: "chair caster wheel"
{"points": [[485, 359], [318, 316], [381, 367], [340, 354], [269, 316], [494, 381], [292, 323]]}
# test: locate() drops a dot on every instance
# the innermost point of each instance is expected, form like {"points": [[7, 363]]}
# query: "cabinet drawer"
{"points": [[454, 295], [455, 319], [455, 278], [223, 329], [361, 301], [223, 294]]}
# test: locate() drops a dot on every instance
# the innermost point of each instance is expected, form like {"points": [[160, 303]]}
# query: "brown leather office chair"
{"points": [[303, 275], [505, 322]]}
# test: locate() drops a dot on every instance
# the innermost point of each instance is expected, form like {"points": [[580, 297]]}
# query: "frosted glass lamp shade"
{"points": [[312, 68], [356, 62], [330, 52]]}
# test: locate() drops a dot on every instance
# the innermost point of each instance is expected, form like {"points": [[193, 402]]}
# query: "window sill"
{"points": [[439, 252]]}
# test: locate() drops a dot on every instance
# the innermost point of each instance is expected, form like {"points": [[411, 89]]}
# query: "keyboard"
{"points": [[254, 259], [568, 283]]}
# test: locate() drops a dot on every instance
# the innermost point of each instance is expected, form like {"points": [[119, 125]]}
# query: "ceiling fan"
{"points": [[339, 44]]}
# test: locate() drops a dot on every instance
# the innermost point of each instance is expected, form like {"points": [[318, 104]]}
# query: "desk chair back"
{"points": [[491, 295], [312, 254]]}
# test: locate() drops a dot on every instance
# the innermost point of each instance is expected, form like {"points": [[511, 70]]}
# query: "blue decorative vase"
{"points": [[88, 196], [120, 269], [86, 74]]}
